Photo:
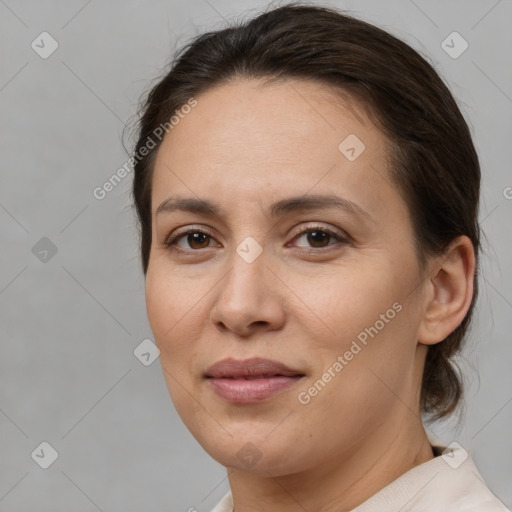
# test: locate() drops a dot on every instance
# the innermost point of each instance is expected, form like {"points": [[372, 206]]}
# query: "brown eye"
{"points": [[195, 239], [319, 237]]}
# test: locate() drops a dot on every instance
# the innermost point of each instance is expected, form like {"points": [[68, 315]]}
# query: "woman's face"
{"points": [[339, 305]]}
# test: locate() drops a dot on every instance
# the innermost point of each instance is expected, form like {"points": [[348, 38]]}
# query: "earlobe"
{"points": [[450, 292]]}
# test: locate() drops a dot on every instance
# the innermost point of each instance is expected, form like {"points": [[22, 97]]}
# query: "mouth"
{"points": [[252, 380], [255, 377]]}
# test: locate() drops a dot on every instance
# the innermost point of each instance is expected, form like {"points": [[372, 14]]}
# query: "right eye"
{"points": [[195, 238]]}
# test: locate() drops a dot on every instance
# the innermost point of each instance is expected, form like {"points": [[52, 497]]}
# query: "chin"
{"points": [[253, 451]]}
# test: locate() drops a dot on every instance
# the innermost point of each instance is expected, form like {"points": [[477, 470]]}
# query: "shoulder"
{"points": [[463, 489], [447, 483], [225, 504]]}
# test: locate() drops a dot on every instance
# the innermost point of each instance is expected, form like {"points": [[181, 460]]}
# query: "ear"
{"points": [[449, 292]]}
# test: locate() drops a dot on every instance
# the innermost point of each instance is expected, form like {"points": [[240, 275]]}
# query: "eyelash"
{"points": [[170, 243]]}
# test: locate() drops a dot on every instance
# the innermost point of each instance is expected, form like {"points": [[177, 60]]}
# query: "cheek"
{"points": [[165, 307], [176, 317], [162, 309], [170, 299], [367, 318], [368, 357], [345, 301], [170, 314]]}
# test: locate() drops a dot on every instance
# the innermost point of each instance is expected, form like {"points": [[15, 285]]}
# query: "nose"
{"points": [[249, 298]]}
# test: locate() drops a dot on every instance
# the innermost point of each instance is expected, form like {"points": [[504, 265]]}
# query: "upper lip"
{"points": [[256, 366]]}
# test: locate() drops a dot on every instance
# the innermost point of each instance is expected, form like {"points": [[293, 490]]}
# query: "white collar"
{"points": [[447, 483]]}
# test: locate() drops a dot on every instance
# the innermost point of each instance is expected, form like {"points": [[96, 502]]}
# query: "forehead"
{"points": [[256, 141]]}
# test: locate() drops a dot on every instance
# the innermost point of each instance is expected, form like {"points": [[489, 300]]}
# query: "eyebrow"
{"points": [[278, 209]]}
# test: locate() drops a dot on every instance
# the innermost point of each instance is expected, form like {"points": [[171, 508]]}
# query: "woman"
{"points": [[307, 191]]}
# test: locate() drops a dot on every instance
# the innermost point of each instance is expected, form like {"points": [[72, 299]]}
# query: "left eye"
{"points": [[319, 236]]}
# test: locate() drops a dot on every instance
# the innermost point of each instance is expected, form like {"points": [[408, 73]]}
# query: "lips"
{"points": [[251, 381], [248, 369]]}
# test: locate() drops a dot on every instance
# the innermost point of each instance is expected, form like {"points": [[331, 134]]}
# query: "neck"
{"points": [[344, 480]]}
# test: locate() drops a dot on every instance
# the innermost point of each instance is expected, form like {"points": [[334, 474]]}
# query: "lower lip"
{"points": [[250, 391]]}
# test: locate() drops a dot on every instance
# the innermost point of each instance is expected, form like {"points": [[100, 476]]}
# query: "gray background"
{"points": [[69, 325]]}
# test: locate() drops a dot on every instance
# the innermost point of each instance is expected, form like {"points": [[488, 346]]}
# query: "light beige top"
{"points": [[447, 483]]}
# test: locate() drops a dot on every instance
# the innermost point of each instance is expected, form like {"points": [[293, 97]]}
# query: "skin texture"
{"points": [[303, 301]]}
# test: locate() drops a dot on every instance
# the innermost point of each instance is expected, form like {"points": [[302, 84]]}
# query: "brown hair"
{"points": [[433, 161]]}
